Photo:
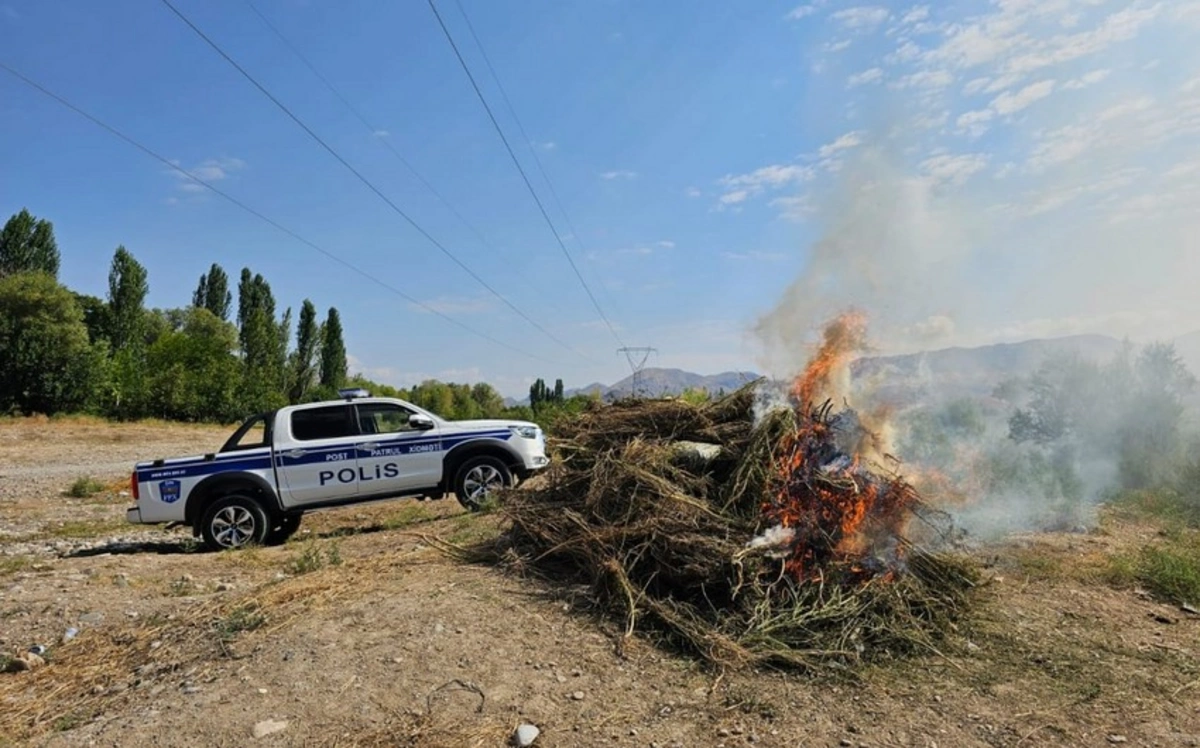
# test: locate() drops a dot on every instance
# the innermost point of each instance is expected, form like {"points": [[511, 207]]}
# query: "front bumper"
{"points": [[133, 515]]}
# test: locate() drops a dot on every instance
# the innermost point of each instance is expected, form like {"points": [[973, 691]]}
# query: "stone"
{"points": [[577, 696], [525, 735], [269, 727], [93, 618]]}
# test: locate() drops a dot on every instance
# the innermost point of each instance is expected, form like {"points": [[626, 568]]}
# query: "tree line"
{"points": [[62, 351]]}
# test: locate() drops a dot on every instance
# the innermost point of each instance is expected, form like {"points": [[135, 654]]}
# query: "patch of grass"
{"points": [[1172, 572], [1039, 565], [409, 514], [313, 557], [1169, 569], [469, 529], [13, 564], [245, 618], [85, 487], [1169, 507]]}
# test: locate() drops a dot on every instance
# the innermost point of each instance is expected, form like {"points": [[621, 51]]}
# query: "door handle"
{"points": [[369, 446], [297, 453]]}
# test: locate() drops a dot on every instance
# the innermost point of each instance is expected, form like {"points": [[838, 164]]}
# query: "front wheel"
{"points": [[479, 479], [234, 522]]}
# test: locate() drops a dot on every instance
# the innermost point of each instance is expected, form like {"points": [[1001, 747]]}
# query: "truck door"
{"points": [[394, 456], [315, 454]]}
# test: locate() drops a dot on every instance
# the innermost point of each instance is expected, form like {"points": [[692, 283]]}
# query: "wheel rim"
{"points": [[233, 526], [481, 480]]}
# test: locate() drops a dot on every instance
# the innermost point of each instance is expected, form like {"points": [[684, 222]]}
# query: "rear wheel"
{"points": [[285, 528], [480, 478], [234, 522]]}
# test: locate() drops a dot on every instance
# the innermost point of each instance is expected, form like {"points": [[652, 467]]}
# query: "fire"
{"points": [[842, 338], [843, 512]]}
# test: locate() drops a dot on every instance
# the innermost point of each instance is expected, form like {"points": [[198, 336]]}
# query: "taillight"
{"points": [[133, 485]]}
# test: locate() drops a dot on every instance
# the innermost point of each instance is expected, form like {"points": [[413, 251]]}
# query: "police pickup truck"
{"points": [[281, 464]]}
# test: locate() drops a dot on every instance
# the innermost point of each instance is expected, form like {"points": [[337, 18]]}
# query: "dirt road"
{"points": [[361, 632]]}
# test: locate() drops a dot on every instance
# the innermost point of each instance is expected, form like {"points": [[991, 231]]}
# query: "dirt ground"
{"points": [[360, 631]]}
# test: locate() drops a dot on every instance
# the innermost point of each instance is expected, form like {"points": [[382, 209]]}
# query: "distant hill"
{"points": [[962, 372], [944, 373]]}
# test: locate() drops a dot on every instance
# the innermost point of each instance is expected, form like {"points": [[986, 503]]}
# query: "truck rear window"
{"points": [[322, 423]]}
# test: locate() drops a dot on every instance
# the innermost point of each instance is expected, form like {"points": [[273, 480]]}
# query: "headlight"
{"points": [[529, 432]]}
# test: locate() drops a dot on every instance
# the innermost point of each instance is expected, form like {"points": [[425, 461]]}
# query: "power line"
{"points": [[524, 176], [179, 169], [528, 141], [383, 141], [262, 89]]}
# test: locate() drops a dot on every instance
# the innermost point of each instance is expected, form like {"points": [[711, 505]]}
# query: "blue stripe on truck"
{"points": [[232, 463]]}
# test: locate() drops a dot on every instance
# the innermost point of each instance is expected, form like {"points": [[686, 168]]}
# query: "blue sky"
{"points": [[735, 172]]}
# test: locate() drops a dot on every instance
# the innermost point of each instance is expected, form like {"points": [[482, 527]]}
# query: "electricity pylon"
{"points": [[637, 357]]}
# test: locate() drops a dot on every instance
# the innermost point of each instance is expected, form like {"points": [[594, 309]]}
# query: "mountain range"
{"points": [[954, 372]]}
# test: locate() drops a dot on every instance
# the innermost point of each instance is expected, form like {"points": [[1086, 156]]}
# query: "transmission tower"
{"points": [[637, 357]]}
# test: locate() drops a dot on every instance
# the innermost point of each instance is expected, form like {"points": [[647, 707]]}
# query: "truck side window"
{"points": [[384, 418], [322, 423]]}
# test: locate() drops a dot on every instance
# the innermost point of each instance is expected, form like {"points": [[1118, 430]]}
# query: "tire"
{"points": [[479, 477], [234, 522], [284, 529]]}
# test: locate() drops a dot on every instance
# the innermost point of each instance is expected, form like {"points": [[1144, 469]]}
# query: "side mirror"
{"points": [[418, 421]]}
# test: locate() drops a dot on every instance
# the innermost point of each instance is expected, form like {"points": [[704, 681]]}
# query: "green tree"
{"points": [[213, 292], [304, 357], [47, 363], [125, 390], [263, 344], [488, 400], [333, 351], [558, 390], [194, 373], [127, 289], [27, 244]]}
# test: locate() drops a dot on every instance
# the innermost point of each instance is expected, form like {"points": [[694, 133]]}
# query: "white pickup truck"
{"points": [[281, 464]]}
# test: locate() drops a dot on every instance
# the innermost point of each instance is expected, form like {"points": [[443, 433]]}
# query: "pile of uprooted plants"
{"points": [[748, 540]]}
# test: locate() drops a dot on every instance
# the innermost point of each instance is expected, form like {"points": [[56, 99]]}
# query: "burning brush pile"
{"points": [[746, 534]]}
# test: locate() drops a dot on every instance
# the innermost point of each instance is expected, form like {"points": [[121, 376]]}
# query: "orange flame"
{"points": [[842, 338], [842, 514]]}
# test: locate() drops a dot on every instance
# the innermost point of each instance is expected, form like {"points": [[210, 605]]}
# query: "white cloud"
{"points": [[931, 79], [693, 192], [618, 174], [954, 169], [666, 244], [975, 122], [1088, 79], [861, 17], [844, 142], [755, 255], [801, 11], [216, 169], [734, 197], [548, 145], [768, 176], [915, 14], [871, 75], [797, 208], [210, 170], [381, 134], [838, 46], [1010, 103]]}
